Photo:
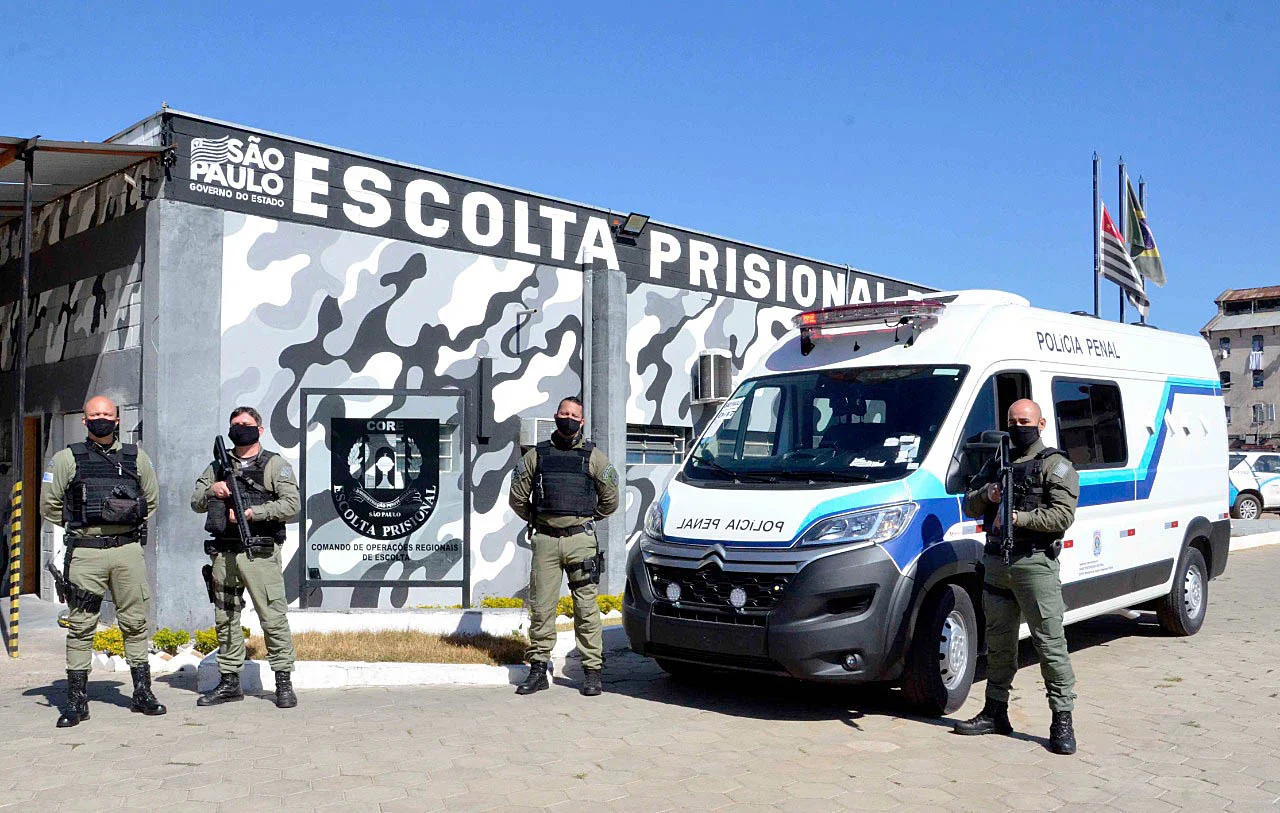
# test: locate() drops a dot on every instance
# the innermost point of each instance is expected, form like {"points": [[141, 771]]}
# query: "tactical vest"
{"points": [[106, 488], [1028, 494], [562, 485], [252, 478]]}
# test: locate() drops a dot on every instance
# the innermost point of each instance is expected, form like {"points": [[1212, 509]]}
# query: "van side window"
{"points": [[1090, 423], [990, 407]]}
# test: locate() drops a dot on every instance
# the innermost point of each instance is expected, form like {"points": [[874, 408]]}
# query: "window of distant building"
{"points": [[1224, 344], [1257, 343], [1257, 379], [1225, 376]]}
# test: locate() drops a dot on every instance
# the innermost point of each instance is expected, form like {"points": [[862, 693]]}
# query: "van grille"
{"points": [[710, 586]]}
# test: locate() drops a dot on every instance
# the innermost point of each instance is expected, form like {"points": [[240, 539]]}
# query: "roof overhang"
{"points": [[60, 168]]}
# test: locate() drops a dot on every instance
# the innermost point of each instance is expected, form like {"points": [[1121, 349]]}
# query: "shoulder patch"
{"points": [[1060, 470], [48, 477], [286, 471], [611, 475]]}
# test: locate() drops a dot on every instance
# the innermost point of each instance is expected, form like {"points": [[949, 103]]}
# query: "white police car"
{"points": [[1255, 483]]}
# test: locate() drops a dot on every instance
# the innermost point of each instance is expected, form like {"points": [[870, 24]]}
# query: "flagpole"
{"points": [[1124, 231], [1142, 203], [1097, 236]]}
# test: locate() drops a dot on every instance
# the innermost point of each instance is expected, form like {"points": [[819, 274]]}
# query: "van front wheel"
{"points": [[943, 653], [1182, 612]]}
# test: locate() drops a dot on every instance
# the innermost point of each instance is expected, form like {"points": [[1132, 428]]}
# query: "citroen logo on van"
{"points": [[714, 556]]}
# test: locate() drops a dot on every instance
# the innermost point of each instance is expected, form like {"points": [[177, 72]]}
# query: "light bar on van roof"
{"points": [[870, 316]]}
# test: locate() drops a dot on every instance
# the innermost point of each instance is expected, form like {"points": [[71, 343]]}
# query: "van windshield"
{"points": [[866, 424]]}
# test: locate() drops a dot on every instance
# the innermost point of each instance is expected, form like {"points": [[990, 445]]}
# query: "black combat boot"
{"points": [[285, 698], [993, 719], [1062, 737], [591, 685], [537, 680], [144, 700], [77, 709], [227, 690]]}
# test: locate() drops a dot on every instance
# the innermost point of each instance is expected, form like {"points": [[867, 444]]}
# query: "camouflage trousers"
{"points": [[233, 574], [1029, 587], [552, 558]]}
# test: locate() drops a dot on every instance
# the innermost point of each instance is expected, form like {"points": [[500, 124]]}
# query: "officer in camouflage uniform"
{"points": [[560, 488], [102, 491], [271, 495], [1046, 488]]}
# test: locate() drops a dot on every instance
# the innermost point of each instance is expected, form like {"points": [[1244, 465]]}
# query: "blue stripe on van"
{"points": [[1121, 485]]}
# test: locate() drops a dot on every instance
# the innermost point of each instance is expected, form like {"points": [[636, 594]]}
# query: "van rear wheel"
{"points": [[1182, 612], [943, 653]]}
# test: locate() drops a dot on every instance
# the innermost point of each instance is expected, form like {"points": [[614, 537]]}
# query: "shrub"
{"points": [[168, 640], [206, 640], [499, 603], [110, 641]]}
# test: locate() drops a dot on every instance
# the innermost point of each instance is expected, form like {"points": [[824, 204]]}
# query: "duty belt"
{"points": [[256, 542], [101, 541], [572, 530]]}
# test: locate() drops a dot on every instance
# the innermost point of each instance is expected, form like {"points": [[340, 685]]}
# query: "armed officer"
{"points": [[271, 498], [1046, 488], [561, 487], [102, 491]]}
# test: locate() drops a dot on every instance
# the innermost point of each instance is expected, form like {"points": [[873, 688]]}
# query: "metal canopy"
{"points": [[61, 167]]}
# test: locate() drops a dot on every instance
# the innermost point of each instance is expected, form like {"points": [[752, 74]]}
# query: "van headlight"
{"points": [[653, 522], [870, 527]]}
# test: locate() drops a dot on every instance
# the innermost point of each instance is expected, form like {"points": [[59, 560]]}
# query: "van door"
{"points": [[990, 411]]}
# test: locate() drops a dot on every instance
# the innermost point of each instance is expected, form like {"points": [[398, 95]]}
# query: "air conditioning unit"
{"points": [[535, 430], [712, 377]]}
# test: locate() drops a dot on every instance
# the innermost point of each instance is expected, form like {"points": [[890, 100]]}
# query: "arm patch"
{"points": [[1060, 470]]}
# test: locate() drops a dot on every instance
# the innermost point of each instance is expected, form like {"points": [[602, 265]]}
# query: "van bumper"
{"points": [[835, 621]]}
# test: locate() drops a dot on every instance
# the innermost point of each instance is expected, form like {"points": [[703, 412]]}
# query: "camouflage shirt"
{"points": [[602, 473]]}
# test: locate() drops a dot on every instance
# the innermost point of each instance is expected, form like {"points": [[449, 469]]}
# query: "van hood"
{"points": [[747, 516]]}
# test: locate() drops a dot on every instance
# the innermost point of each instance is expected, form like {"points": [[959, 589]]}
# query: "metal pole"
{"points": [[1142, 201], [1123, 229], [15, 566], [1097, 236], [20, 367]]}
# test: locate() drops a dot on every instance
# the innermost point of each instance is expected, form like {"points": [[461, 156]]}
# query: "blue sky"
{"points": [[943, 143]]}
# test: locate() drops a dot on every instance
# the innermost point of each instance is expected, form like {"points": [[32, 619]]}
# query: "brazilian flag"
{"points": [[1142, 244]]}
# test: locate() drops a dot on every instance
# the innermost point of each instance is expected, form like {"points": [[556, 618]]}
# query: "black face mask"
{"points": [[1023, 437], [242, 435], [102, 427], [567, 427]]}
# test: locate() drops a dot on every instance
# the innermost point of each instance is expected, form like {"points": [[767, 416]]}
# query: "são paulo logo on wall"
{"points": [[386, 473], [228, 167]]}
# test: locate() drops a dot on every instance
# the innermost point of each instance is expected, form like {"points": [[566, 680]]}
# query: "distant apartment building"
{"points": [[1245, 338]]}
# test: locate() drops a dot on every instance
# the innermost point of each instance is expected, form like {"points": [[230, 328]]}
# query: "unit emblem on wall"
{"points": [[386, 473]]}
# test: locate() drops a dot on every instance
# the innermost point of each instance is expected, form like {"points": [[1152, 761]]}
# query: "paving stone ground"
{"points": [[1163, 723]]}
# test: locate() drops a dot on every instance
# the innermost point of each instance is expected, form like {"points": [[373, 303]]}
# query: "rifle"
{"points": [[76, 598], [1004, 476], [225, 470]]}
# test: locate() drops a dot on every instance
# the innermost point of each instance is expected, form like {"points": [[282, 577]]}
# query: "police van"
{"points": [[815, 529]]}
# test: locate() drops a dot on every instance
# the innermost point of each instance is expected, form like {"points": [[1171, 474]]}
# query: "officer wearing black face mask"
{"points": [[270, 492], [102, 491], [1028, 586], [560, 488]]}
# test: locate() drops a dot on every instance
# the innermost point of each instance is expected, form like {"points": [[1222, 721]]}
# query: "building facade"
{"points": [[405, 333], [1245, 339]]}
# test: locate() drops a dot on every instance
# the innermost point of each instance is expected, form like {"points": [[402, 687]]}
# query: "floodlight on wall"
{"points": [[632, 225]]}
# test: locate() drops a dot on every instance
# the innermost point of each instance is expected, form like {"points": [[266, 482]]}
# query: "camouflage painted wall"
{"points": [[666, 330], [90, 316], [307, 306]]}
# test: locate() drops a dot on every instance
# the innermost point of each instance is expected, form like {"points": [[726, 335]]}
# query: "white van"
{"points": [[815, 528]]}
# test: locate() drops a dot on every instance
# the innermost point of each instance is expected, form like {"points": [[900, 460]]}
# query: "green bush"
{"points": [[110, 641], [167, 640], [606, 603], [206, 641], [499, 603]]}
